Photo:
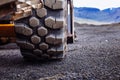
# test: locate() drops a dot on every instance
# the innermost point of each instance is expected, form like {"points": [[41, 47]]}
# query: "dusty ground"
{"points": [[94, 56]]}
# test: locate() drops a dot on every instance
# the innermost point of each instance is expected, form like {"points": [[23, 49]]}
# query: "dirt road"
{"points": [[94, 56]]}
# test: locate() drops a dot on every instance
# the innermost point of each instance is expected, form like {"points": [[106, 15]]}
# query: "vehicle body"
{"points": [[37, 26]]}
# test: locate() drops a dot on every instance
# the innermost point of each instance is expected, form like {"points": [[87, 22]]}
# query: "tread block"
{"points": [[35, 39], [50, 39], [37, 52], [37, 6], [51, 51], [49, 22], [22, 13], [43, 46], [45, 56], [59, 39], [24, 8], [49, 3], [58, 24], [54, 23], [41, 12], [19, 28], [27, 31], [61, 49], [55, 40], [31, 2], [34, 21], [22, 5], [42, 31], [59, 4], [23, 29], [18, 15], [25, 45], [21, 0], [54, 4], [27, 12]]}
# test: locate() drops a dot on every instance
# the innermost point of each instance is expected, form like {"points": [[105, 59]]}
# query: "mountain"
{"points": [[107, 15]]}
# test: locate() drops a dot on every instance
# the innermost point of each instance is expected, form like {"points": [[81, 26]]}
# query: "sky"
{"points": [[101, 4]]}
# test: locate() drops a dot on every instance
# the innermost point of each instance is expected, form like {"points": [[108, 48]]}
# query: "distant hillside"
{"points": [[89, 21], [106, 15]]}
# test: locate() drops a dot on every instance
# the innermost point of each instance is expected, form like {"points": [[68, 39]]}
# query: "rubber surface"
{"points": [[42, 35]]}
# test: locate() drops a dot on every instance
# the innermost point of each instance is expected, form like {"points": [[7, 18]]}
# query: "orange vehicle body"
{"points": [[7, 30]]}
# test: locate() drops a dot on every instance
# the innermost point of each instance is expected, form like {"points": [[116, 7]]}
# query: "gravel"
{"points": [[95, 55]]}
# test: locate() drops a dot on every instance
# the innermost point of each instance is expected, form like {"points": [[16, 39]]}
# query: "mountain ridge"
{"points": [[106, 15]]}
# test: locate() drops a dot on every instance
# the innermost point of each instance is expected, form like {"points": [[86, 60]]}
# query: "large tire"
{"points": [[42, 35]]}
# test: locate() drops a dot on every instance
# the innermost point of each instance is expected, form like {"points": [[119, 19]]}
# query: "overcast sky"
{"points": [[101, 4]]}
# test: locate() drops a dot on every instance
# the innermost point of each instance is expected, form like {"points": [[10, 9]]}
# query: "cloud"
{"points": [[101, 4]]}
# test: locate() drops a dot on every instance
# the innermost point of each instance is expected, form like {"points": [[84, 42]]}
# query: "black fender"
{"points": [[70, 22]]}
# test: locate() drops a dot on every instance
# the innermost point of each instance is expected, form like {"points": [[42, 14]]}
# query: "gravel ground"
{"points": [[94, 56]]}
